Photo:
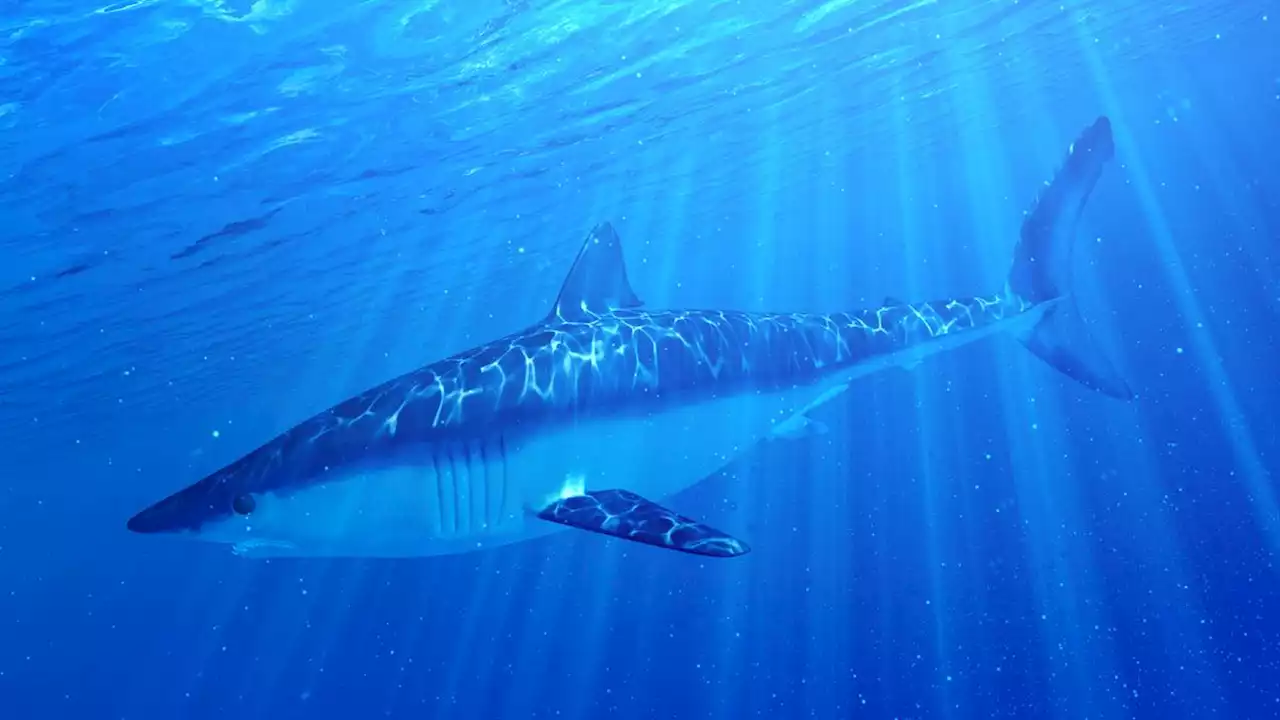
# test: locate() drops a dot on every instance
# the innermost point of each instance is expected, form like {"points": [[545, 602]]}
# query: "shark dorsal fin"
{"points": [[597, 282]]}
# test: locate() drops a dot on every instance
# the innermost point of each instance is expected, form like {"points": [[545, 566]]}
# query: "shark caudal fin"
{"points": [[1041, 271]]}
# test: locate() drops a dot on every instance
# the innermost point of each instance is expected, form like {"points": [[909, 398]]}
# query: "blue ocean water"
{"points": [[218, 217]]}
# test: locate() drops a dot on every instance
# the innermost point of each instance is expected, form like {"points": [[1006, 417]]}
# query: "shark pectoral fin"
{"points": [[625, 515]]}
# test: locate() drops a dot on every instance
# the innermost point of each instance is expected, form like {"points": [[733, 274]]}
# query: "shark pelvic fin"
{"points": [[799, 427], [1041, 271], [597, 282], [802, 425], [625, 515]]}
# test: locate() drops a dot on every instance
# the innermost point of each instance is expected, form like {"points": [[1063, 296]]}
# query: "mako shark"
{"points": [[540, 430]]}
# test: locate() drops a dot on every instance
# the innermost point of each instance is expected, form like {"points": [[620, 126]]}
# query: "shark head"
{"points": [[212, 508], [253, 521], [262, 509], [242, 505]]}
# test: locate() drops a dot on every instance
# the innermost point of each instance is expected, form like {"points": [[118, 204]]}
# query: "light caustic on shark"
{"points": [[538, 430]]}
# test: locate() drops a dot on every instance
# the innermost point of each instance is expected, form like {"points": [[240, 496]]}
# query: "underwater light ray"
{"points": [[1265, 503]]}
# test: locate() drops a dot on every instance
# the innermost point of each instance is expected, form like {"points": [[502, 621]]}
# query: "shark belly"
{"points": [[658, 454], [485, 493], [451, 503]]}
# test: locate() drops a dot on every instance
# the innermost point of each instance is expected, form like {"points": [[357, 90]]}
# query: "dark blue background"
{"points": [[223, 217]]}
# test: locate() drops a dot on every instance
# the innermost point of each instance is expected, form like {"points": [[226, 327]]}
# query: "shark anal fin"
{"points": [[625, 515]]}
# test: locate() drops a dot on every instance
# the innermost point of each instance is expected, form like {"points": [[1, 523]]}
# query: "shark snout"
{"points": [[182, 511], [155, 519]]}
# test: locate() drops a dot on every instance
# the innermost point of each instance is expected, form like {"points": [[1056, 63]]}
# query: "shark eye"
{"points": [[243, 504]]}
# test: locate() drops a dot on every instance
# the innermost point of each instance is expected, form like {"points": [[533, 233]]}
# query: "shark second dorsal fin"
{"points": [[597, 282]]}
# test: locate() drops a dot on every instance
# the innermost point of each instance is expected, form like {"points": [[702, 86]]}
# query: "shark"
{"points": [[540, 431]]}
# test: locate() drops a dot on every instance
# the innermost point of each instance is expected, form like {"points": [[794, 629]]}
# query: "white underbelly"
{"points": [[481, 496], [453, 502], [653, 455]]}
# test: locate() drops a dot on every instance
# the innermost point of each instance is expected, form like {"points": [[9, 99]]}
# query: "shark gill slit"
{"points": [[490, 480], [479, 490], [472, 486], [488, 489], [494, 460], [475, 481], [457, 472], [479, 477], [439, 481], [496, 472], [502, 494]]}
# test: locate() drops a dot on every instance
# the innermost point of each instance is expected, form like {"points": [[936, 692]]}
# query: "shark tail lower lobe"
{"points": [[1041, 271]]}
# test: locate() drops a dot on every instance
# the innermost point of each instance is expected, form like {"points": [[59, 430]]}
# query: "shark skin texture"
{"points": [[538, 430]]}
